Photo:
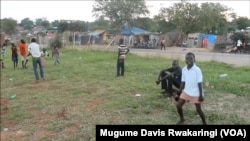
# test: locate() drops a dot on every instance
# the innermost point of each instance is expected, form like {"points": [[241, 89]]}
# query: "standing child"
{"points": [[44, 53], [14, 55], [191, 88], [23, 52], [163, 43], [56, 55], [122, 51]]}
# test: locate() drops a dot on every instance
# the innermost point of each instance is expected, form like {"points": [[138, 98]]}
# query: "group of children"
{"points": [[32, 50], [24, 54], [190, 77]]}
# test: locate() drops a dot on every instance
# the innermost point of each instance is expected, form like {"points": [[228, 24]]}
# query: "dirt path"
{"points": [[201, 54]]}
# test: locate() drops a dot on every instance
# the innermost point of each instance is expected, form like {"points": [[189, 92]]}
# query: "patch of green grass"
{"points": [[84, 91]]}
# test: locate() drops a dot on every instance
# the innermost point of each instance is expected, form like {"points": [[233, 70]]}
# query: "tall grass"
{"points": [[84, 91]]}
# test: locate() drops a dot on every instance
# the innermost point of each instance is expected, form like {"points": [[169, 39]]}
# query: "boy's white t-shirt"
{"points": [[192, 77], [34, 49]]}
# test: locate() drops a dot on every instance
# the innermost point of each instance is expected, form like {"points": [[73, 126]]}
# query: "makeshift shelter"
{"points": [[193, 40], [134, 36]]}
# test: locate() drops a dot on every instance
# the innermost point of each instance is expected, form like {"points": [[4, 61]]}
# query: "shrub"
{"points": [[221, 45], [240, 36], [56, 41]]}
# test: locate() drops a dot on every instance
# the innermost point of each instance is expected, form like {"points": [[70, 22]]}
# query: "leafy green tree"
{"points": [[8, 25], [145, 23], [100, 23], [56, 41], [190, 18], [238, 35], [213, 18], [42, 22], [242, 22], [184, 15], [77, 26], [27, 24], [161, 25], [119, 11], [55, 23], [63, 26]]}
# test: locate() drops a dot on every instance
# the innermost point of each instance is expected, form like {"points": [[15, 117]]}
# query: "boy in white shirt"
{"points": [[191, 88]]}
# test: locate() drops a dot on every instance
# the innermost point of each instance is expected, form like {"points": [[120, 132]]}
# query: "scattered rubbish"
{"points": [[138, 95], [223, 75], [13, 96], [11, 79]]}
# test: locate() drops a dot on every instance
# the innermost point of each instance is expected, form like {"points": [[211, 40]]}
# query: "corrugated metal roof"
{"points": [[97, 32]]}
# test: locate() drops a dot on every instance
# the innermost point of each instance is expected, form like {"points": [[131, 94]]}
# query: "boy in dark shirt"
{"points": [[14, 55], [169, 77]]}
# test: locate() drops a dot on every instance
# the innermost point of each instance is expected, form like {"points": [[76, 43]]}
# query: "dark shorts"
{"points": [[14, 58]]}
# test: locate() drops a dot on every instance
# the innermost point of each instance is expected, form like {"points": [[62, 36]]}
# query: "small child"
{"points": [[14, 55], [56, 55], [44, 52]]}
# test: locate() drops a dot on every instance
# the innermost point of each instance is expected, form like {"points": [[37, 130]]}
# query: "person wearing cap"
{"points": [[170, 77], [122, 51]]}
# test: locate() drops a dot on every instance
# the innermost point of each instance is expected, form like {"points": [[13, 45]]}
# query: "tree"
{"points": [[26, 23], [242, 22], [100, 23], [119, 11], [238, 35], [63, 26], [213, 18], [8, 25], [77, 26], [144, 22], [184, 15], [42, 22], [190, 18], [55, 23]]}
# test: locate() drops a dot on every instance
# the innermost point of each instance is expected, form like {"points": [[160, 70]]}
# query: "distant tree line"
{"points": [[187, 17]]}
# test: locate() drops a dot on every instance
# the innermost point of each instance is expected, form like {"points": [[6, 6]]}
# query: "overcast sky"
{"points": [[82, 10]]}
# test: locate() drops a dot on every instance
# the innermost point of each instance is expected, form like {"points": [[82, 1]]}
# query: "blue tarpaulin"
{"points": [[210, 38], [133, 31]]}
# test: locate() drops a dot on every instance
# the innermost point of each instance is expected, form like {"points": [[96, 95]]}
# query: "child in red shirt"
{"points": [[23, 52]]}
